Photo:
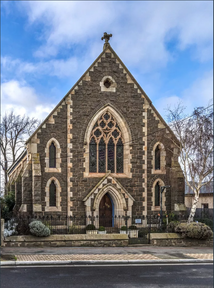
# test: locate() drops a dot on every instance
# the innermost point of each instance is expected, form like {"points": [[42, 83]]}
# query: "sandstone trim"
{"points": [[162, 159], [58, 197], [58, 156], [157, 208]]}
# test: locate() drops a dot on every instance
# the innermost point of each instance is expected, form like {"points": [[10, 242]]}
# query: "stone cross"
{"points": [[106, 37]]}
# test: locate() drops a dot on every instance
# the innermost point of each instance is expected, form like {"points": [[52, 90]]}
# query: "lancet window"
{"points": [[106, 146], [52, 196], [157, 194], [157, 158], [52, 156]]}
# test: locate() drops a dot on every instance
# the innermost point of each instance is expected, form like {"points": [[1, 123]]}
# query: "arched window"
{"points": [[93, 155], [157, 158], [157, 194], [52, 156], [52, 194], [106, 146]]}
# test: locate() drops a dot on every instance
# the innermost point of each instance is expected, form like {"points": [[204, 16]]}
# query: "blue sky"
{"points": [[46, 46]]}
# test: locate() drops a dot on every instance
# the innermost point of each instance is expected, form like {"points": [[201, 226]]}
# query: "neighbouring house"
{"points": [[103, 151], [205, 203]]}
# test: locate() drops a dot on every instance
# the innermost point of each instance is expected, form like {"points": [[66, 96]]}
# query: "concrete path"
{"points": [[89, 255]]}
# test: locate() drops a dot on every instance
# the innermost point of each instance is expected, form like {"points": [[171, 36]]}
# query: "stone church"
{"points": [[103, 150]]}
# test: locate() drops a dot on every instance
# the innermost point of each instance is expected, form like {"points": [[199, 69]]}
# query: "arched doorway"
{"points": [[106, 208]]}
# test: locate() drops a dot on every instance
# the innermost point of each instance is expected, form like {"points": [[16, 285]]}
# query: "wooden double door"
{"points": [[105, 211]]}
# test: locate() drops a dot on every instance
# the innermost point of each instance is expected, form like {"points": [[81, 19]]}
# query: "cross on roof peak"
{"points": [[106, 36]]}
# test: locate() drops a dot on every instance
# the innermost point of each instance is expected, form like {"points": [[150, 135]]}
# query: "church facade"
{"points": [[104, 149]]}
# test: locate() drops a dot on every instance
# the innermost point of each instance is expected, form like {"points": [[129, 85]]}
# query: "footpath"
{"points": [[138, 254]]}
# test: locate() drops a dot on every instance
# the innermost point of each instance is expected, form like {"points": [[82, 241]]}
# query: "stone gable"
{"points": [[106, 86]]}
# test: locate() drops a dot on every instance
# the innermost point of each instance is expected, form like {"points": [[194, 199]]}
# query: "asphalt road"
{"points": [[152, 276]]}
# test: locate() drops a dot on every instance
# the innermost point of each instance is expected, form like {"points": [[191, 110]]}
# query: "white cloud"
{"points": [[199, 94], [57, 67], [139, 27], [23, 100]]}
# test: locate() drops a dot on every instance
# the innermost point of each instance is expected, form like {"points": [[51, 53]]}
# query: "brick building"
{"points": [[104, 149]]}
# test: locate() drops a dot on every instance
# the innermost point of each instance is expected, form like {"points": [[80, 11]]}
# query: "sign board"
{"points": [[138, 221]]}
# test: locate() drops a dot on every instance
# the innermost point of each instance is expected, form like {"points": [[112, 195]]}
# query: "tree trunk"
{"points": [[193, 209]]}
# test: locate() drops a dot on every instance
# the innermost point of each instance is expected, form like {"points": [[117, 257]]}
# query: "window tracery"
{"points": [[106, 146]]}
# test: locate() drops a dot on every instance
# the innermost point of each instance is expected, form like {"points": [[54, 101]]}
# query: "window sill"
{"points": [[100, 175], [158, 171], [157, 208], [56, 170], [53, 208]]}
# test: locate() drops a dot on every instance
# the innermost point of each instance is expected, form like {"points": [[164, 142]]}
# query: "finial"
{"points": [[106, 37]]}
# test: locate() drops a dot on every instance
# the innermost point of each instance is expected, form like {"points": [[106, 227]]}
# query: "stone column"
{"points": [[69, 103], [26, 202], [36, 183], [177, 185]]}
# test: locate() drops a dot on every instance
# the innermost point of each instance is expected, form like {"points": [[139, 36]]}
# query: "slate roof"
{"points": [[206, 189]]}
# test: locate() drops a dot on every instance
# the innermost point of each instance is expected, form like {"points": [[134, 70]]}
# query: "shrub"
{"points": [[7, 203], [198, 231], [101, 228], [10, 200], [123, 228], [207, 221], [143, 231], [181, 228], [133, 227], [172, 225], [194, 230], [90, 227], [173, 217], [38, 229], [10, 228]]}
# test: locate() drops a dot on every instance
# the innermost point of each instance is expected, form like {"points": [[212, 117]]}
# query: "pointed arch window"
{"points": [[52, 194], [93, 155], [52, 156], [157, 194], [106, 146], [157, 158]]}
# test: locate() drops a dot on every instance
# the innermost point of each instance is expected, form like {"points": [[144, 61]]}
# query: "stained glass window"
{"points": [[52, 156], [157, 158], [120, 156], [106, 146], [157, 194], [93, 156], [102, 156], [111, 155], [52, 196]]}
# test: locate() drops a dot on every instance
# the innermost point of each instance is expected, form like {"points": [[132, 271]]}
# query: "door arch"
{"points": [[106, 209]]}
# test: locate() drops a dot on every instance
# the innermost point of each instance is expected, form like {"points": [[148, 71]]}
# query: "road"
{"points": [[149, 276]]}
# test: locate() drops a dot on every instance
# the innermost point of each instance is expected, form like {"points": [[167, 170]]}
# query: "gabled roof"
{"points": [[103, 182], [13, 166], [130, 76], [206, 189]]}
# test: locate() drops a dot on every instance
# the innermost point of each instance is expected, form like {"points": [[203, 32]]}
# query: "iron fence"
{"points": [[62, 224]]}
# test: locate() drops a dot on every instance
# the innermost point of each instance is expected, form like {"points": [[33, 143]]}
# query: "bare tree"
{"points": [[195, 134], [13, 132]]}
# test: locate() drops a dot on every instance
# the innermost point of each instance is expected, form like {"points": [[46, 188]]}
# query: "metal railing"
{"points": [[62, 224]]}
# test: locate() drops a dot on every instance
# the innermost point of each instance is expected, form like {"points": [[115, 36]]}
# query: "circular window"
{"points": [[107, 83]]}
